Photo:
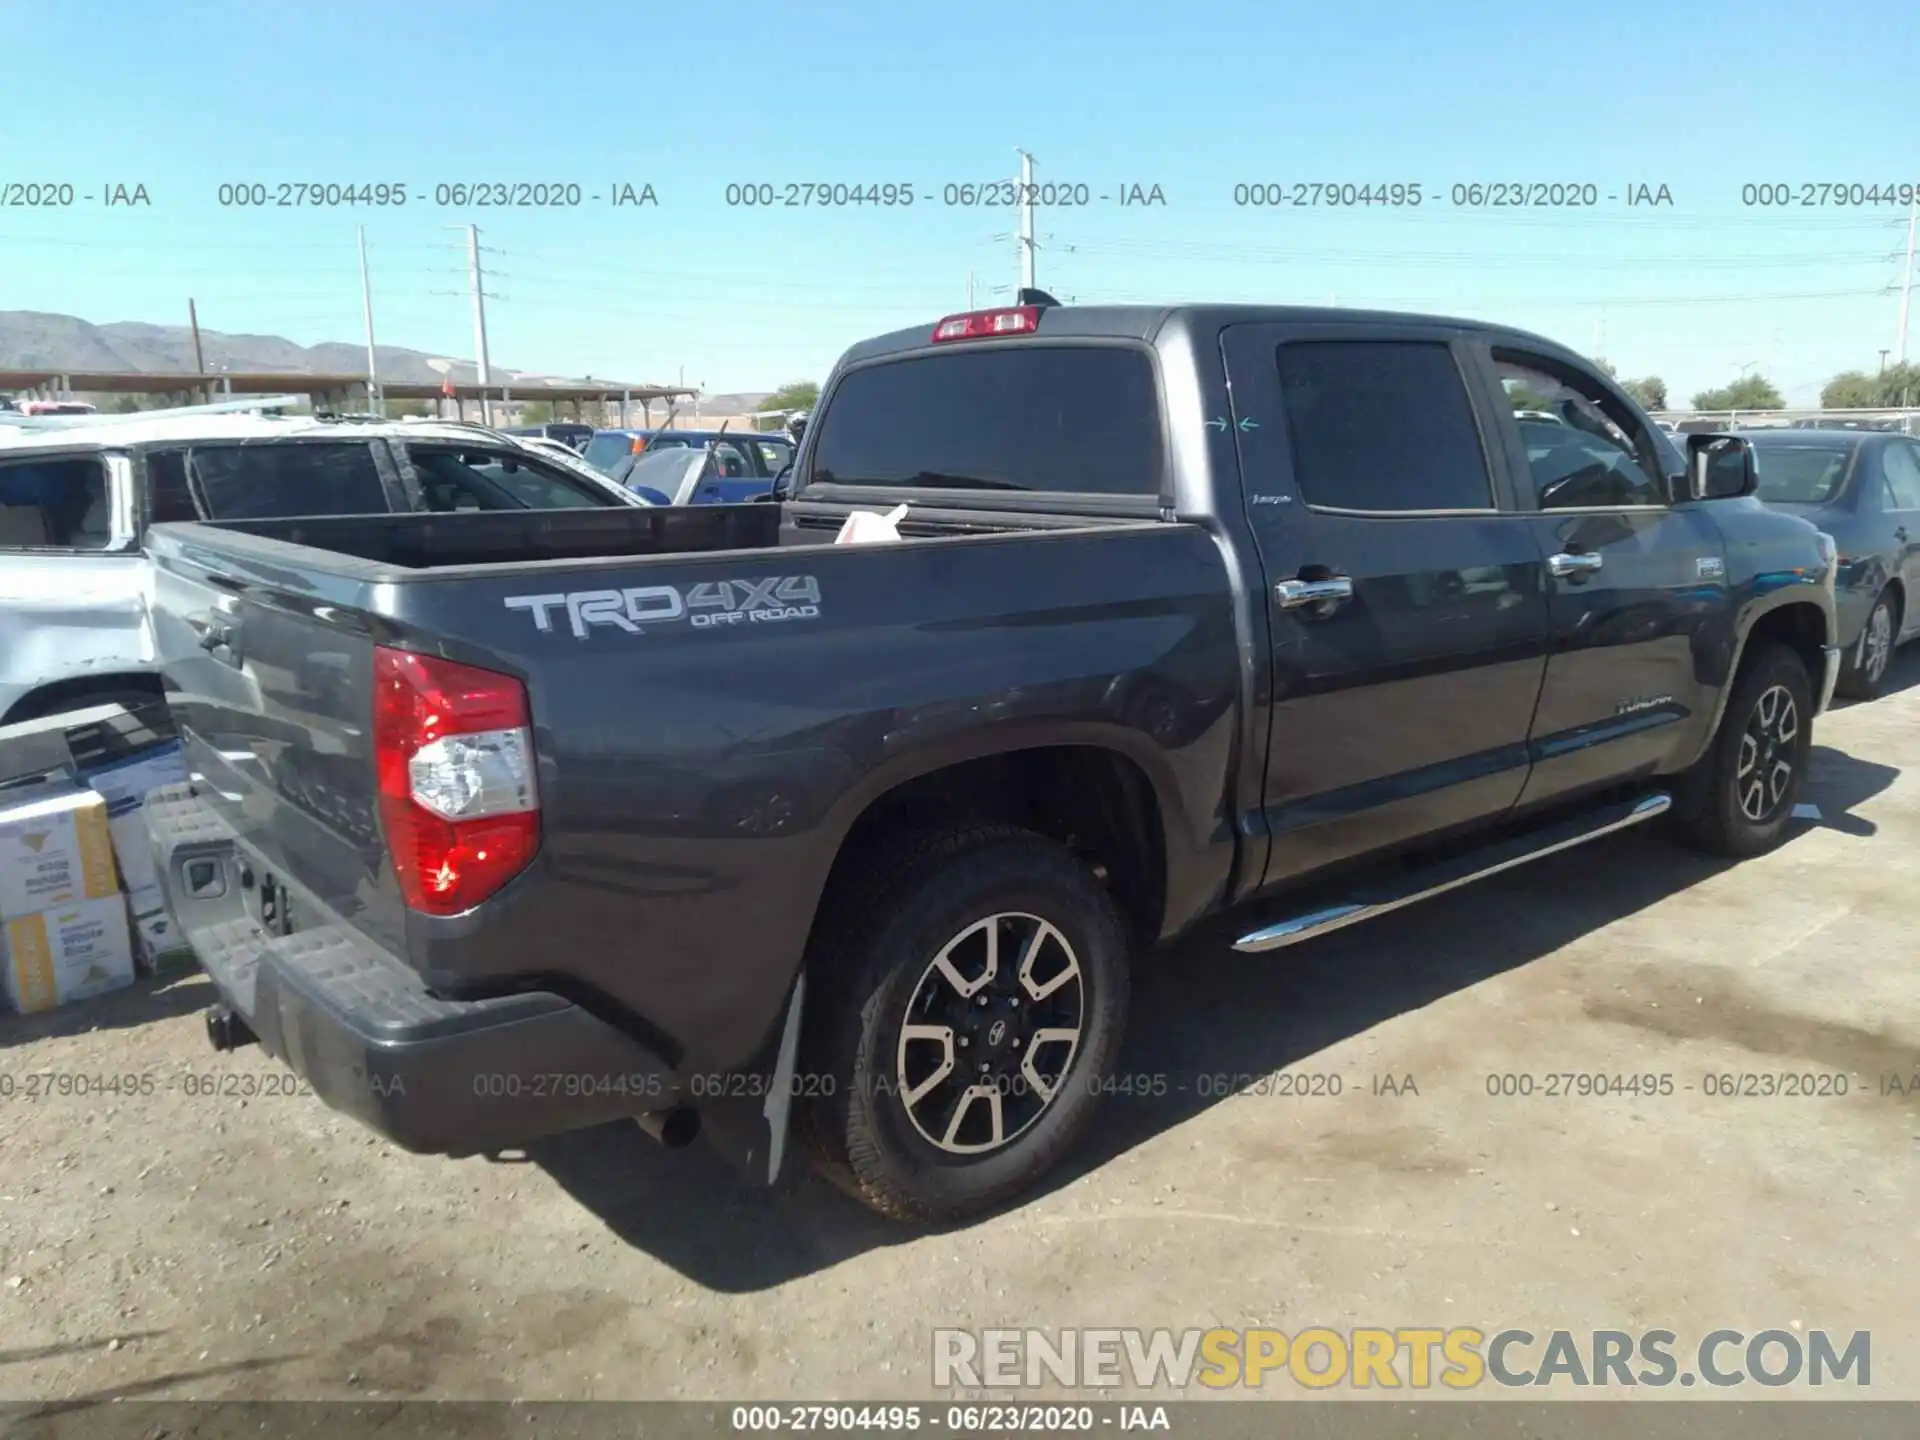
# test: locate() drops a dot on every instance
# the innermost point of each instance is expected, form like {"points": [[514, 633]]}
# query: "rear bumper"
{"points": [[434, 1076]]}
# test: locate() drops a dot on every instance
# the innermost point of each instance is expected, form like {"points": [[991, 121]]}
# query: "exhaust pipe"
{"points": [[227, 1031], [672, 1128]]}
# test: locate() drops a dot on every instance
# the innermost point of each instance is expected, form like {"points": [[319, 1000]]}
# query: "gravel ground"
{"points": [[212, 1246]]}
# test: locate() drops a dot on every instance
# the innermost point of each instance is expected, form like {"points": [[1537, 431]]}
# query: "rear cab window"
{"points": [[55, 502], [1012, 416]]}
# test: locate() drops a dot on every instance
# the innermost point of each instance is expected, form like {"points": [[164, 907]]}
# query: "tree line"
{"points": [[1897, 386]]}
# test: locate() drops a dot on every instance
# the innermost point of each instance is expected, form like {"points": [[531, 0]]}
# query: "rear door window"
{"points": [[55, 503], [290, 478], [476, 479], [1382, 427], [1019, 416], [774, 457], [1901, 464]]}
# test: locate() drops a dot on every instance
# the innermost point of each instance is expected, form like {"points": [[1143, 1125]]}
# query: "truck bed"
{"points": [[498, 537]]}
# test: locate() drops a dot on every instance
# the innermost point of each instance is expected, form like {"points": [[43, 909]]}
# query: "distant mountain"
{"points": [[36, 340]]}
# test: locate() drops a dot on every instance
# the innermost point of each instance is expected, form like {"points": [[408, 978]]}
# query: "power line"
{"points": [[1227, 253]]}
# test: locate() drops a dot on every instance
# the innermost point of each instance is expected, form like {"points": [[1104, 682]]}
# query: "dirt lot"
{"points": [[197, 1247]]}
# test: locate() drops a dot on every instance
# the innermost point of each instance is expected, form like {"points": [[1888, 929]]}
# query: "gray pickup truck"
{"points": [[505, 824]]}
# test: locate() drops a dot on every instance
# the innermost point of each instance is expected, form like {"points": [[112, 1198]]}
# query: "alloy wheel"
{"points": [[1767, 748], [990, 1033], [1876, 645]]}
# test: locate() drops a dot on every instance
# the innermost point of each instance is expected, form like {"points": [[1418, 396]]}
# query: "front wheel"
{"points": [[973, 998], [1746, 785], [1866, 665]]}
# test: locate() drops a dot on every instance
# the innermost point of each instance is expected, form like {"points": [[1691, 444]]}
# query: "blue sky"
{"points": [[1195, 97]]}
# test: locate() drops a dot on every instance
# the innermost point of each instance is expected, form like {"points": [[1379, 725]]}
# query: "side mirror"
{"points": [[1720, 467]]}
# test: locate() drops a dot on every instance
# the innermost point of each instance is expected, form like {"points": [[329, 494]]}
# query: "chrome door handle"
{"points": [[1292, 594], [1564, 565]]}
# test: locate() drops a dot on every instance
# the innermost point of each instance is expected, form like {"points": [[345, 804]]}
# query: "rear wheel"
{"points": [[1866, 667], [973, 997], [1741, 794]]}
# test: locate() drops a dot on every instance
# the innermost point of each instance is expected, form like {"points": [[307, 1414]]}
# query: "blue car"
{"points": [[738, 454], [688, 475]]}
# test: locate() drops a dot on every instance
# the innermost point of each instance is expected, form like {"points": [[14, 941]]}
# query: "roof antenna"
{"points": [[1034, 297]]}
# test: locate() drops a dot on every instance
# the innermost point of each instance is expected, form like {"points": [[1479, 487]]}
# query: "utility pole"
{"points": [[1026, 219], [969, 290], [193, 319], [1906, 275], [1883, 360], [366, 305], [480, 322]]}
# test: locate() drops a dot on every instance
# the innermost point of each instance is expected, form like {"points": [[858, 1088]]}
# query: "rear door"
{"points": [[1409, 624], [1637, 583], [72, 580], [730, 476]]}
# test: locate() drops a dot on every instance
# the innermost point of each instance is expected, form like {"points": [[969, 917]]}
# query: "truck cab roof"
{"points": [[1147, 323]]}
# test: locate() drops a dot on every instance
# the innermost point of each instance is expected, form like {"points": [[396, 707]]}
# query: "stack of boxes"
{"points": [[66, 920], [124, 784], [80, 904]]}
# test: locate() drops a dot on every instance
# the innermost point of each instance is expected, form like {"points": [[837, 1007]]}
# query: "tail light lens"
{"points": [[639, 444], [453, 746]]}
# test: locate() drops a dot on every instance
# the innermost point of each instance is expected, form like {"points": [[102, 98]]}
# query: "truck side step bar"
{"points": [[1461, 870]]}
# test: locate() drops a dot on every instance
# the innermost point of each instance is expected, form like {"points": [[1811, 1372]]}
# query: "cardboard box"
{"points": [[67, 953], [55, 849], [158, 948], [125, 784]]}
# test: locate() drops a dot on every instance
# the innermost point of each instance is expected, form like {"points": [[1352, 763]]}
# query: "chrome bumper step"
{"points": [[1460, 870]]}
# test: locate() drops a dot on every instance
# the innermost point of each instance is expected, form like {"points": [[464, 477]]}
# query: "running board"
{"points": [[1462, 870]]}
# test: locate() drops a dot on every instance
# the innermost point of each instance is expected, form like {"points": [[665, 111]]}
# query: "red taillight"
{"points": [[639, 444], [453, 746], [982, 324]]}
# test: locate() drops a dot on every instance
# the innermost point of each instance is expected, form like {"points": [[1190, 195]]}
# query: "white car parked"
{"points": [[77, 495]]}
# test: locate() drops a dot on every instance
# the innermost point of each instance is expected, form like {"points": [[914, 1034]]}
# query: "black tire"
{"points": [[873, 957], [1865, 669], [1719, 814]]}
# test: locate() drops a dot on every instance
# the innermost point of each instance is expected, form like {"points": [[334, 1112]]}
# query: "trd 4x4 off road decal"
{"points": [[770, 599]]}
